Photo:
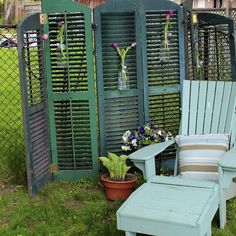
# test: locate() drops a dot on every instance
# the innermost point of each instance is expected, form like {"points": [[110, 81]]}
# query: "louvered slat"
{"points": [[121, 115], [72, 76], [119, 28]]}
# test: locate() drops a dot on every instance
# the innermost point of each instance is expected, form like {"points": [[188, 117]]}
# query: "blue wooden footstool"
{"points": [[170, 206]]}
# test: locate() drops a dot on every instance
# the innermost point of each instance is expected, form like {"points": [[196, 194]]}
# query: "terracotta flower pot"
{"points": [[118, 189]]}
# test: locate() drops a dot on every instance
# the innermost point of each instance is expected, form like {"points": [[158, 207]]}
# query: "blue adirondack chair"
{"points": [[168, 206]]}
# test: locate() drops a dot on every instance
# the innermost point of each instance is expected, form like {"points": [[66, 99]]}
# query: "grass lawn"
{"points": [[69, 208], [77, 208]]}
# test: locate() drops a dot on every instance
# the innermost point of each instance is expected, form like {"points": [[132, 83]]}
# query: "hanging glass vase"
{"points": [[61, 55], [123, 79], [164, 53]]}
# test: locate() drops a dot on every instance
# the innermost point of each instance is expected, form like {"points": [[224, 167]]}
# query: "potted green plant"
{"points": [[118, 183]]}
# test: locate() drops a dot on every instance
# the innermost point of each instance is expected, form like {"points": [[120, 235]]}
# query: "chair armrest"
{"points": [[227, 169], [228, 161], [144, 158], [150, 151]]}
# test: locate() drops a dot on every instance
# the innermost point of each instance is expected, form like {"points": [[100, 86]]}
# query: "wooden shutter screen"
{"points": [[116, 21], [71, 91], [213, 56], [163, 77], [155, 86], [215, 37], [30, 47]]}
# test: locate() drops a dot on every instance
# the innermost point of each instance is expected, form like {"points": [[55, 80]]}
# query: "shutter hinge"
{"points": [[43, 19], [53, 168]]}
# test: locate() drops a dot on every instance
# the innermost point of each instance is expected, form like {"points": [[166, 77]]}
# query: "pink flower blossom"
{"points": [[114, 45], [169, 14], [44, 37], [133, 44]]}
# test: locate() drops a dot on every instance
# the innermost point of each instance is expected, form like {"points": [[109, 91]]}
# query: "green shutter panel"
{"points": [[116, 21], [211, 45], [158, 83], [215, 47], [71, 90], [33, 92], [163, 75]]}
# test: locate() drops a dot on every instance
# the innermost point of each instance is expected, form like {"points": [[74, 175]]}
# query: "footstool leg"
{"points": [[131, 233], [208, 233]]}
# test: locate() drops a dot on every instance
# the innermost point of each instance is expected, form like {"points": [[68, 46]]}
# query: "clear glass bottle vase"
{"points": [[164, 53], [123, 78], [61, 55]]}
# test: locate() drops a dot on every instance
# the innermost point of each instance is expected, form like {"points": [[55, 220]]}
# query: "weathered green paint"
{"points": [[115, 16], [145, 93], [222, 26], [34, 106], [162, 79], [75, 101]]}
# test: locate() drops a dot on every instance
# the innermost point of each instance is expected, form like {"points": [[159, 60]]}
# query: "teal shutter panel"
{"points": [[33, 93], [163, 76], [154, 93], [71, 90], [213, 56], [119, 111], [215, 35]]}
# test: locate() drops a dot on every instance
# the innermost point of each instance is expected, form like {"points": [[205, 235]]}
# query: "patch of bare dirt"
{"points": [[73, 203], [5, 187]]}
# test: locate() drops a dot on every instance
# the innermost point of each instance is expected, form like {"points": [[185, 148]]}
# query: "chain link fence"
{"points": [[11, 130], [12, 161]]}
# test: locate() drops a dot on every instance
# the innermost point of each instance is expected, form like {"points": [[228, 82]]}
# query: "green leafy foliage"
{"points": [[116, 165]]}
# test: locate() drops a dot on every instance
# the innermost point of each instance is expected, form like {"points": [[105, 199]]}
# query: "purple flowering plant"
{"points": [[122, 53], [143, 136]]}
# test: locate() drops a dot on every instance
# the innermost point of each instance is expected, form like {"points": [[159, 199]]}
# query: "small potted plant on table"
{"points": [[118, 183]]}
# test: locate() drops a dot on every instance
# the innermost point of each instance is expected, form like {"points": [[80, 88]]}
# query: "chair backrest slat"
{"points": [[210, 97], [231, 105], [193, 108], [217, 106], [201, 107], [185, 108], [207, 107], [224, 107]]}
